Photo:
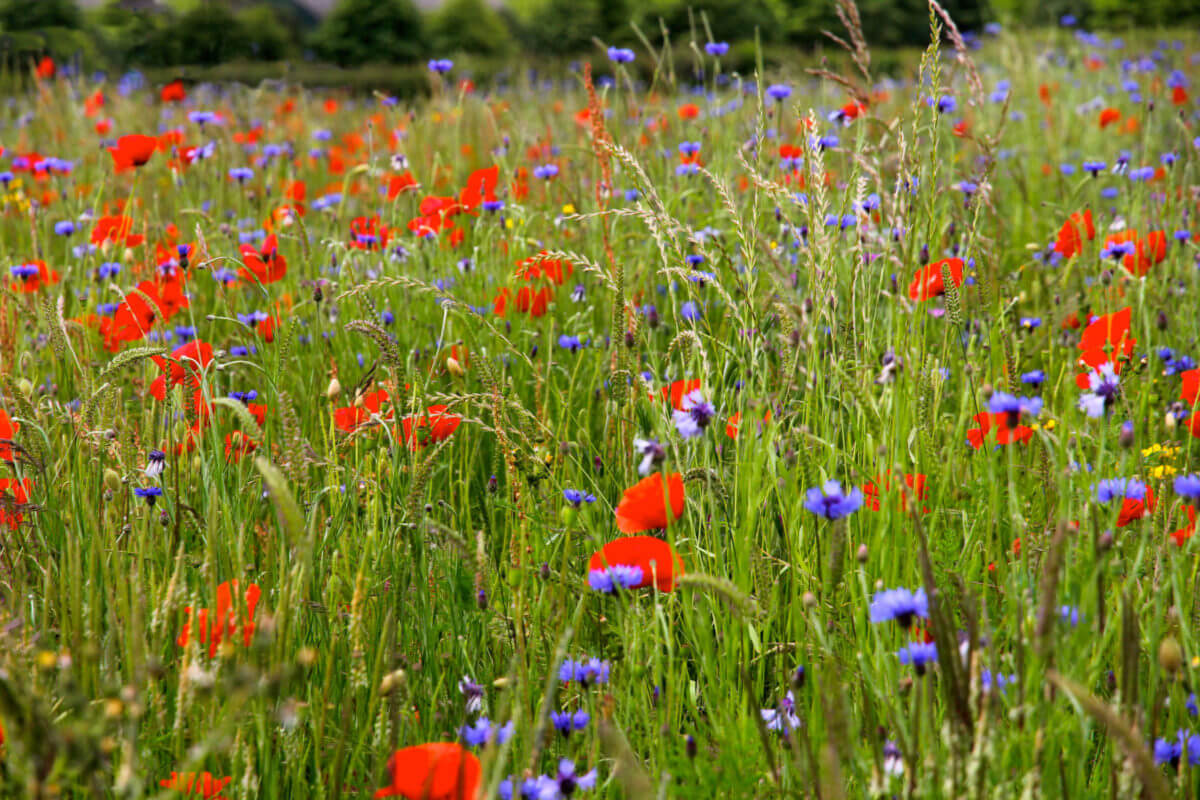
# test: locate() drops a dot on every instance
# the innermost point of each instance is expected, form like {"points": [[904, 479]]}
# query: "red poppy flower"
{"points": [[915, 483], [480, 188], [1179, 96], [528, 301], [1183, 534], [237, 445], [435, 771], [643, 506], [46, 68], [539, 266], [1150, 249], [203, 784], [18, 492], [225, 621], [93, 104], [676, 391], [734, 423], [1072, 233], [369, 233], [132, 151], [1192, 423], [433, 426], [186, 363], [659, 562], [265, 265], [115, 230], [1132, 509], [396, 185], [8, 431], [1191, 386], [348, 419], [1004, 434], [927, 283], [173, 92], [688, 111], [852, 110], [33, 276], [1105, 340], [1108, 116]]}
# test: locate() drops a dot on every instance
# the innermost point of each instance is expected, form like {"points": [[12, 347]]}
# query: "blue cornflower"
{"points": [[652, 453], [919, 655], [1188, 486], [578, 498], [545, 171], [253, 318], [1034, 377], [690, 311], [946, 104], [689, 148], [241, 174], [1141, 174], [831, 502], [484, 731], [245, 398], [156, 462], [1104, 385], [1171, 752], [967, 187], [779, 92], [1119, 488], [988, 679], [108, 270], [900, 605], [782, 717], [572, 343], [618, 576], [620, 55], [689, 168], [1094, 167], [1069, 615], [1031, 323], [149, 494], [1192, 708], [64, 228], [566, 722], [1014, 407], [694, 415], [717, 49], [441, 65], [592, 671], [566, 782], [631, 195]]}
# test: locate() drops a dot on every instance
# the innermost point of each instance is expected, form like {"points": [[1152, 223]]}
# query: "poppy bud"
{"points": [[1105, 542], [862, 554], [455, 368], [1126, 437], [26, 387], [481, 600], [652, 318], [986, 391], [318, 295], [810, 600], [112, 481], [493, 484], [544, 571], [334, 389], [1106, 277], [1170, 655], [630, 340]]}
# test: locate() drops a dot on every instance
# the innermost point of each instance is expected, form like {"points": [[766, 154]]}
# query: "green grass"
{"points": [[388, 573]]}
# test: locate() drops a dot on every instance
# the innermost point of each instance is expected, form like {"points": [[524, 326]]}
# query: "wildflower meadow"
{"points": [[646, 431]]}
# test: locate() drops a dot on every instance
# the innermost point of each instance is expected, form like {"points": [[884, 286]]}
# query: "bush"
{"points": [[29, 15], [366, 31], [469, 26]]}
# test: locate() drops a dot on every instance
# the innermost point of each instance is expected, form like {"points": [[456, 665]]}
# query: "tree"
{"points": [[269, 36], [30, 15], [565, 27], [364, 31], [469, 26]]}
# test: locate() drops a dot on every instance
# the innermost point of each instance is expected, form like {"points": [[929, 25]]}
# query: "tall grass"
{"points": [[389, 573]]}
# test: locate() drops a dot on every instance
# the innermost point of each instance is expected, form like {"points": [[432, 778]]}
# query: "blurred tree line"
{"points": [[357, 32]]}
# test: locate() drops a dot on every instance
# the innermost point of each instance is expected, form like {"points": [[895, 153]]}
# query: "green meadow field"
{"points": [[817, 433]]}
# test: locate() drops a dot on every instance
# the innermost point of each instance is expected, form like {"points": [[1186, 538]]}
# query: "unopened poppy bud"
{"points": [[318, 295], [810, 600], [1126, 436], [455, 368], [630, 339], [334, 389], [986, 391], [1106, 277], [544, 571], [862, 554], [112, 481], [1170, 655], [26, 387]]}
